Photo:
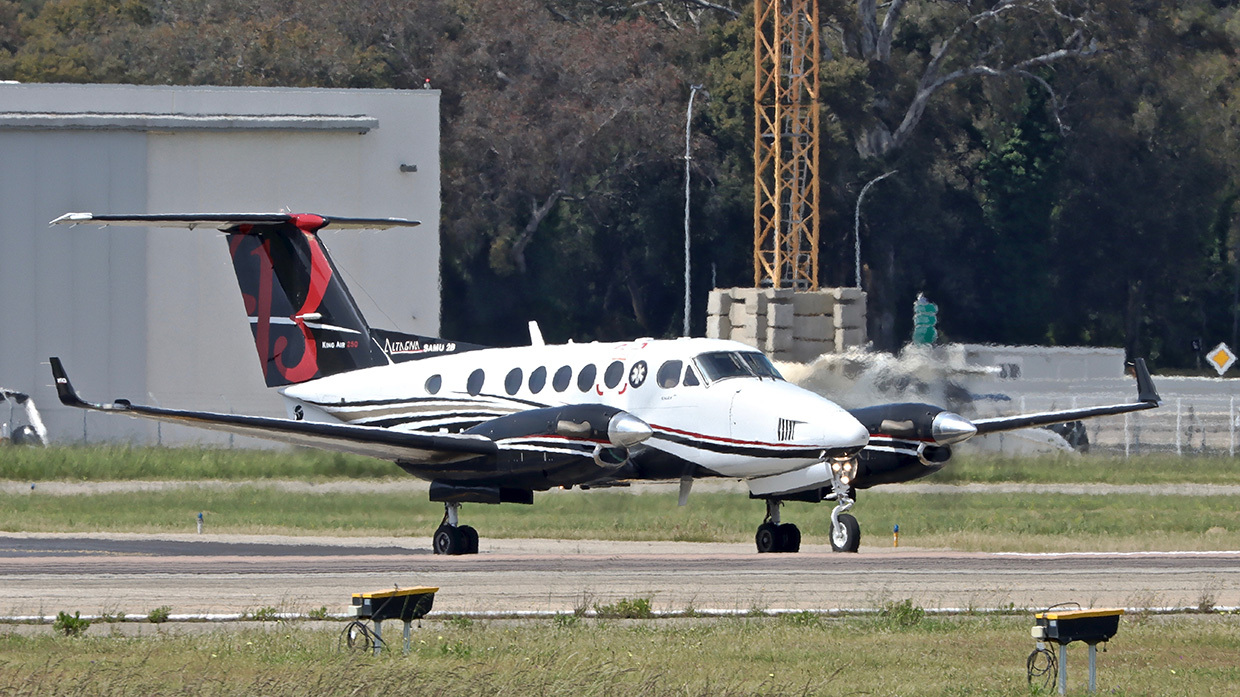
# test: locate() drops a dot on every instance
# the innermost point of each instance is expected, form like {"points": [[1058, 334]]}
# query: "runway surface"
{"points": [[42, 574]]}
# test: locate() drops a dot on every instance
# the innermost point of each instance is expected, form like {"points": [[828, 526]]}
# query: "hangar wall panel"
{"points": [[155, 315]]}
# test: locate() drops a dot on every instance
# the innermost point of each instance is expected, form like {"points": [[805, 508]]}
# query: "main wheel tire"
{"points": [[789, 538], [449, 540], [846, 537], [471, 539], [767, 538]]}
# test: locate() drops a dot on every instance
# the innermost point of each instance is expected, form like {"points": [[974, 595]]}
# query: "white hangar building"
{"points": [[155, 315]]}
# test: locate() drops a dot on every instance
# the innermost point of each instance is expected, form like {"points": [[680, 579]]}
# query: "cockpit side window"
{"points": [[691, 379], [761, 365], [720, 365], [669, 374]]}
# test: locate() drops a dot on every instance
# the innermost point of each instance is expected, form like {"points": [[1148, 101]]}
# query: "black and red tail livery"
{"points": [[305, 322]]}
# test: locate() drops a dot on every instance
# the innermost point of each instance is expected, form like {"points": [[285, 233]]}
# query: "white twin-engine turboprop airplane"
{"points": [[494, 425]]}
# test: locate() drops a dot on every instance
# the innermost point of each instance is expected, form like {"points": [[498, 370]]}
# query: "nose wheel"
{"points": [[774, 536], [451, 537], [845, 530]]}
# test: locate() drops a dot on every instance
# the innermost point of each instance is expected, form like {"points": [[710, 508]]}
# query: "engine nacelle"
{"points": [[591, 422]]}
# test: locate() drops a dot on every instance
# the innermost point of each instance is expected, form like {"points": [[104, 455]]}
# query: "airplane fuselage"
{"points": [[717, 405]]}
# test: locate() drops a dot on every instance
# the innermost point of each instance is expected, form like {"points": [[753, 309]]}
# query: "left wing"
{"points": [[361, 440]]}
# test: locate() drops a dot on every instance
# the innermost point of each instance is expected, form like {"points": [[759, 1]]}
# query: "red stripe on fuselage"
{"points": [[733, 441]]}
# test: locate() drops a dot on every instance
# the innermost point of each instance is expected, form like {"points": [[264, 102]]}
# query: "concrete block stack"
{"points": [[788, 325]]}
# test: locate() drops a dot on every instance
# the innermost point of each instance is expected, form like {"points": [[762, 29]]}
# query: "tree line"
{"points": [[1066, 170]]}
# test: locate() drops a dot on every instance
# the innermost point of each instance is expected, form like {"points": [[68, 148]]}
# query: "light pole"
{"points": [[693, 90], [857, 223]]}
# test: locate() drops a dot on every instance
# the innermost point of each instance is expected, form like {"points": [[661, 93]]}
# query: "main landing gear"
{"points": [[774, 536], [453, 538]]}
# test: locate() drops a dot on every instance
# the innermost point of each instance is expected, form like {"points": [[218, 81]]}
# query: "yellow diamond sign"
{"points": [[1221, 358]]}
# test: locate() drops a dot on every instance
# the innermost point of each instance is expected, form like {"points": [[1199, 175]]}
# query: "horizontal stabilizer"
{"points": [[224, 221]]}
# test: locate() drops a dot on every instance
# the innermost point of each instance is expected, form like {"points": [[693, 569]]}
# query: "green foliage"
{"points": [[159, 615], [113, 463], [902, 614], [1192, 655], [264, 614], [804, 618], [625, 608], [70, 625], [460, 622], [1102, 213], [562, 621], [318, 613]]}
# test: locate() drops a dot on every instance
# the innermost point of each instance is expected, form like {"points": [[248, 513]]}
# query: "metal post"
{"points": [[378, 635], [1231, 426], [1063, 669], [1177, 427], [1093, 667], [1125, 434], [693, 90], [408, 629], [857, 226]]}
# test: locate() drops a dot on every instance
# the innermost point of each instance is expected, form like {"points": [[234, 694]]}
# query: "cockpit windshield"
{"points": [[720, 365]]}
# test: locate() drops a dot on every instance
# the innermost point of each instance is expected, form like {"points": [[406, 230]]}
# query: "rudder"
{"points": [[305, 322]]}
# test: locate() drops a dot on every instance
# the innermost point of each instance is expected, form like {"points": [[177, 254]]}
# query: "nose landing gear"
{"points": [[451, 537], [845, 531]]}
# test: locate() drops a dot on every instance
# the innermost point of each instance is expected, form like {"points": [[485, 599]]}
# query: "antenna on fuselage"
{"points": [[536, 337]]}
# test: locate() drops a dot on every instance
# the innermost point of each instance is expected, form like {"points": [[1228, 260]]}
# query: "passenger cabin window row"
{"points": [[716, 365]]}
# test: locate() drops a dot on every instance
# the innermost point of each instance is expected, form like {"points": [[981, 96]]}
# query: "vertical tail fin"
{"points": [[306, 324]]}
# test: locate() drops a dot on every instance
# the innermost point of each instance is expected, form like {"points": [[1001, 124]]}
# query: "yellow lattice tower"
{"points": [[785, 144]]}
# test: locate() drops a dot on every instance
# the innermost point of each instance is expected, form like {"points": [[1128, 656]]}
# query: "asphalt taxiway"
{"points": [[41, 574]]}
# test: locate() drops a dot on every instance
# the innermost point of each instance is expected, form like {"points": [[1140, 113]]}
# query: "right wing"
{"points": [[1147, 398], [376, 442]]}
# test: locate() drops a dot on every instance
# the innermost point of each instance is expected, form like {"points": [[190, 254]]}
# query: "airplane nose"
{"points": [[948, 428], [856, 435], [625, 430]]}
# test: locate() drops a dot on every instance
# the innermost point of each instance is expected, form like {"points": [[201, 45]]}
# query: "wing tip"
{"points": [[73, 219], [64, 389], [1146, 392]]}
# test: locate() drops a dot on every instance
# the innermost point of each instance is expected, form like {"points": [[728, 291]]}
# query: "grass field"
{"points": [[990, 522], [115, 463], [897, 653], [983, 522]]}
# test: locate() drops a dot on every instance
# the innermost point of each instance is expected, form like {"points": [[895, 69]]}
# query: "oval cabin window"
{"points": [[512, 382]]}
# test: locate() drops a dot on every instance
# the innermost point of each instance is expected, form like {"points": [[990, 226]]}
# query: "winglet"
{"points": [[64, 388], [1145, 384]]}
